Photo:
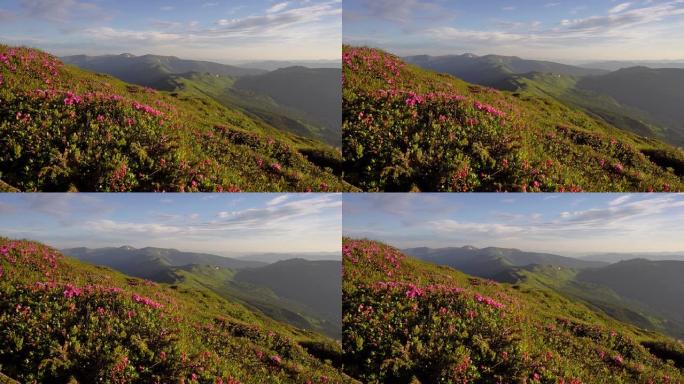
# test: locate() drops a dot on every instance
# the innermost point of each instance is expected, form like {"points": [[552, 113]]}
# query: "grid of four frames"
{"points": [[266, 191]]}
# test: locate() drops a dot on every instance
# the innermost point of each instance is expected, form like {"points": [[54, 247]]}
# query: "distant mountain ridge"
{"points": [[492, 69], [490, 262], [618, 256], [150, 69], [149, 262], [272, 65], [614, 65]]}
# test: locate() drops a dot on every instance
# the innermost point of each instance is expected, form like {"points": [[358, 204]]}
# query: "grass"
{"points": [[408, 129], [408, 321], [65, 129]]}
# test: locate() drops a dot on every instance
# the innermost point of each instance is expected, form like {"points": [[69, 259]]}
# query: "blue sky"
{"points": [[567, 224], [219, 30], [223, 224], [564, 30]]}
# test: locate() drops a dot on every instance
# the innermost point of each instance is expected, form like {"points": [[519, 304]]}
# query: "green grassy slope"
{"points": [[65, 321], [657, 92], [62, 128], [258, 106], [260, 297], [570, 90], [405, 128], [408, 321], [599, 297]]}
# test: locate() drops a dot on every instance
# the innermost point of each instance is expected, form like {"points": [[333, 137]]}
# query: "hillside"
{"points": [[293, 280], [491, 69], [148, 70], [63, 128], [491, 262], [600, 297], [656, 285], [66, 321], [405, 128], [423, 323], [315, 91], [282, 291], [280, 100], [657, 92], [566, 89]]}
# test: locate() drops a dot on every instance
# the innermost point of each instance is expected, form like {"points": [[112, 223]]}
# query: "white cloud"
{"points": [[620, 200], [277, 200], [620, 7], [631, 31], [275, 8]]}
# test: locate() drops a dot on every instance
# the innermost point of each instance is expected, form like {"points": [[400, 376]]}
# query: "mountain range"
{"points": [[272, 65], [149, 70], [64, 320], [491, 262], [614, 65], [490, 70], [281, 290], [407, 128]]}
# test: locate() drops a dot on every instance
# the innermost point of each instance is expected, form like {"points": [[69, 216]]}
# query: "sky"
{"points": [[562, 30], [218, 30], [565, 224], [221, 224]]}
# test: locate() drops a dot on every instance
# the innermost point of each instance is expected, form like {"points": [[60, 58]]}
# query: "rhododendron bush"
{"points": [[62, 128], [62, 321], [407, 129], [407, 321]]}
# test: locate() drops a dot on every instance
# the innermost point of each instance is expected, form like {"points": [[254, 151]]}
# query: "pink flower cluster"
{"points": [[489, 109], [72, 291], [488, 301], [72, 99], [146, 108], [146, 301], [414, 99], [414, 291]]}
